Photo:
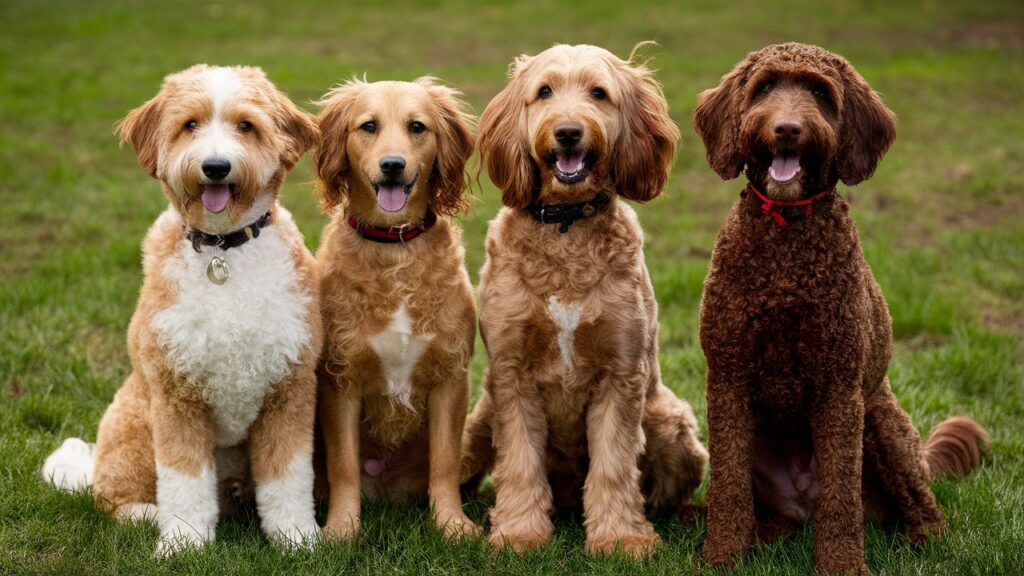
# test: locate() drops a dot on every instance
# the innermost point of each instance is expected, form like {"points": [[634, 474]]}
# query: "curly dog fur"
{"points": [[574, 407], [795, 329], [399, 318]]}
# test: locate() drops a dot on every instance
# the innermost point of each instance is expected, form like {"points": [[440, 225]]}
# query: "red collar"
{"points": [[394, 234], [768, 205]]}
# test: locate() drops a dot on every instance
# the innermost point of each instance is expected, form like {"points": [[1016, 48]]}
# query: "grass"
{"points": [[941, 224]]}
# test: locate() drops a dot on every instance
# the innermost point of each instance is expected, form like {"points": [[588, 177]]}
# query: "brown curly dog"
{"points": [[794, 327], [574, 407]]}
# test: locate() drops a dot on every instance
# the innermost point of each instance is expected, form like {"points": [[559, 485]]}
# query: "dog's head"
{"points": [[391, 149], [220, 139], [798, 117], [574, 120]]}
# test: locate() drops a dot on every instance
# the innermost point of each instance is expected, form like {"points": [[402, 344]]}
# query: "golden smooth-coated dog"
{"points": [[398, 309], [574, 401], [225, 339], [801, 417]]}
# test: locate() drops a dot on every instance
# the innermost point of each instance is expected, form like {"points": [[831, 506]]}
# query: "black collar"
{"points": [[565, 214], [229, 240], [394, 234]]}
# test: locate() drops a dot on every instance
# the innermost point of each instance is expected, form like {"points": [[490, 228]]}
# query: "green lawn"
{"points": [[942, 224]]}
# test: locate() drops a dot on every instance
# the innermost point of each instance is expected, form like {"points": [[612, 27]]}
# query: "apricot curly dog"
{"points": [[796, 332], [574, 408]]}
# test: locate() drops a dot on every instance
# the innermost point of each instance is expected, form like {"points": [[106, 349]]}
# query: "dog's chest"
{"points": [[566, 317], [237, 340], [399, 349]]}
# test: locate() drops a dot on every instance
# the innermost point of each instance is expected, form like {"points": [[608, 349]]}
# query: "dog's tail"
{"points": [[70, 467], [954, 447]]}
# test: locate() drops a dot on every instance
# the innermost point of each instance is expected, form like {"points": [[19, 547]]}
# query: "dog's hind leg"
{"points": [[893, 447], [477, 444], [125, 471], [674, 459]]}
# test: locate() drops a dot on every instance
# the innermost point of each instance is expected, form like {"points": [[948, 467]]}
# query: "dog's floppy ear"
{"points": [[140, 128], [503, 146], [717, 121], [330, 158], [299, 127], [868, 129], [647, 145], [454, 146]]}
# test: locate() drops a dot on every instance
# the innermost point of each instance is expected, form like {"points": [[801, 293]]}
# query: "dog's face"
{"points": [[798, 117], [575, 120], [391, 149], [220, 139]]}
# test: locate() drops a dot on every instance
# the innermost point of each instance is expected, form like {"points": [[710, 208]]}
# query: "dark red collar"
{"points": [[768, 205], [394, 234]]}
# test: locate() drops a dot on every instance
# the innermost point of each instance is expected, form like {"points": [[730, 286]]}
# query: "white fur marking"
{"points": [[399, 351], [139, 512], [70, 467], [186, 509], [567, 318], [285, 504], [237, 340]]}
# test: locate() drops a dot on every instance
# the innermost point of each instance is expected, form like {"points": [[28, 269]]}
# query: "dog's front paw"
{"points": [[635, 545], [457, 526], [723, 553], [302, 536], [834, 566], [170, 544], [522, 539], [341, 531]]}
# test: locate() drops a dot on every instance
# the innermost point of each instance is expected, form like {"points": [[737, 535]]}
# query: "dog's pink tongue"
{"points": [[391, 198], [216, 197], [784, 167], [570, 165]]}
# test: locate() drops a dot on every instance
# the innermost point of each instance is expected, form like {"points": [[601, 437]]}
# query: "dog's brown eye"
{"points": [[417, 127], [245, 126], [818, 91], [544, 93], [766, 87], [599, 94], [370, 127], [191, 125]]}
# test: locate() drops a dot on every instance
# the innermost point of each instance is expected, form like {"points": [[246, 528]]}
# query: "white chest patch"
{"points": [[567, 318], [399, 350], [236, 340]]}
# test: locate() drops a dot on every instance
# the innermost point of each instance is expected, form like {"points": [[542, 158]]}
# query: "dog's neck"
{"points": [[565, 214], [786, 212]]}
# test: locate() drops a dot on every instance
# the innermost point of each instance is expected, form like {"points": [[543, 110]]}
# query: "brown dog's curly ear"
{"points": [[717, 122], [330, 157], [868, 129], [140, 128], [647, 145], [504, 150], [454, 147]]}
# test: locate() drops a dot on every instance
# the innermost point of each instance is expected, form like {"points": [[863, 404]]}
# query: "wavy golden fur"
{"points": [[399, 319], [574, 407]]}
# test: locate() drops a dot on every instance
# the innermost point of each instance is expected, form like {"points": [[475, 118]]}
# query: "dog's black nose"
{"points": [[568, 133], [216, 168], [788, 129], [392, 165]]}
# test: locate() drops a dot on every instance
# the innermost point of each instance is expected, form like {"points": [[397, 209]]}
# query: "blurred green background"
{"points": [[942, 223]]}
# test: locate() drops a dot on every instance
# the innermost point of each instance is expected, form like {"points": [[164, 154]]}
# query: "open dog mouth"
{"points": [[215, 197], [392, 196], [570, 166], [785, 165]]}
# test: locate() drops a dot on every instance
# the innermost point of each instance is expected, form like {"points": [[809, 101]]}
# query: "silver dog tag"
{"points": [[217, 271]]}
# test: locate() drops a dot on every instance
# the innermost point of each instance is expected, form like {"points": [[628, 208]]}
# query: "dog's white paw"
{"points": [[70, 467], [299, 536]]}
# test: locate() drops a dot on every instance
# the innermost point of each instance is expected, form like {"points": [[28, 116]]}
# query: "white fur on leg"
{"points": [[138, 512], [285, 504], [70, 467], [186, 508]]}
